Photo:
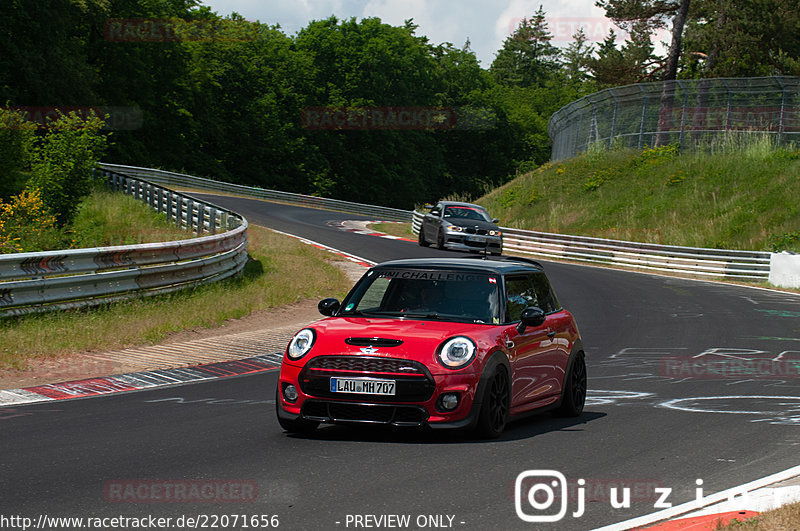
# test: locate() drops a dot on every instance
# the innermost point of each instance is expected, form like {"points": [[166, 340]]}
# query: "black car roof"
{"points": [[501, 265]]}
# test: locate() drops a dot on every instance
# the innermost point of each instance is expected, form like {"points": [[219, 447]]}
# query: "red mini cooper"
{"points": [[439, 342]]}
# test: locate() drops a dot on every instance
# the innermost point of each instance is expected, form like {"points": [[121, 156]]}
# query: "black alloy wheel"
{"points": [[574, 395], [494, 412]]}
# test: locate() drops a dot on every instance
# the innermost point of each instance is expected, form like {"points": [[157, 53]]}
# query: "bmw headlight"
{"points": [[457, 352], [301, 343], [495, 233], [455, 228]]}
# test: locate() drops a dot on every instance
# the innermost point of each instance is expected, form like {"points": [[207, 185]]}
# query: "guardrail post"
{"points": [[159, 199], [212, 220], [185, 214], [201, 217]]}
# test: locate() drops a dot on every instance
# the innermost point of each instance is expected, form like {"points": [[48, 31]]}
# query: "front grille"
{"points": [[366, 364], [473, 230], [481, 245], [396, 415], [377, 342], [414, 383]]}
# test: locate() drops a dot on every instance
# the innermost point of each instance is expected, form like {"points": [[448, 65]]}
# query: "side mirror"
{"points": [[328, 307], [434, 212], [495, 221], [532, 316]]}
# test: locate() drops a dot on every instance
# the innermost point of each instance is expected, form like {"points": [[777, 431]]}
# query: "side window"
{"points": [[544, 293], [520, 294]]}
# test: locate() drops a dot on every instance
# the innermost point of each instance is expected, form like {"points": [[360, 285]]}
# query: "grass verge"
{"points": [[281, 270], [401, 230], [111, 218], [744, 197], [783, 518]]}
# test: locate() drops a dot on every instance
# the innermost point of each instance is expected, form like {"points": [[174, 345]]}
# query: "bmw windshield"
{"points": [[426, 294], [462, 212]]}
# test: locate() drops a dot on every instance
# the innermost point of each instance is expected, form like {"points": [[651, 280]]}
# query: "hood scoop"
{"points": [[373, 342]]}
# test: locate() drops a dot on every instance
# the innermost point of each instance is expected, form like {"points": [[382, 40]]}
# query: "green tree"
{"points": [[743, 39], [16, 143], [633, 62], [528, 57], [578, 58], [647, 16], [43, 51]]}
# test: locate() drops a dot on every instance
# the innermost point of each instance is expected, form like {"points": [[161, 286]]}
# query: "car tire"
{"points": [[440, 240], [496, 402], [574, 394], [298, 425], [422, 241]]}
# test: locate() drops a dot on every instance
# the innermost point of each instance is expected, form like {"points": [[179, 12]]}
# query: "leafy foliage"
{"points": [[61, 169], [230, 105], [16, 142], [26, 224]]}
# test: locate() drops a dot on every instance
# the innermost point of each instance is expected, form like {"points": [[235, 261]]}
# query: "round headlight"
{"points": [[457, 352], [455, 228], [495, 233], [301, 343]]}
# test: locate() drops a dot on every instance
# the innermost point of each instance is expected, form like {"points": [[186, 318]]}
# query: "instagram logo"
{"points": [[539, 490]]}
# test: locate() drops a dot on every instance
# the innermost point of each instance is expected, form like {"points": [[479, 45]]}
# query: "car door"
{"points": [[535, 359]]}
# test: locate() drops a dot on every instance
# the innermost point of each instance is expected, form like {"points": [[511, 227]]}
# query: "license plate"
{"points": [[477, 239], [364, 386]]}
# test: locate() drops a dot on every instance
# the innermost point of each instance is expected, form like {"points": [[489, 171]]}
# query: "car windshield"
{"points": [[465, 212], [425, 294]]}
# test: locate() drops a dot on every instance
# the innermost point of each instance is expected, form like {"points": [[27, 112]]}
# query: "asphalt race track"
{"points": [[650, 421]]}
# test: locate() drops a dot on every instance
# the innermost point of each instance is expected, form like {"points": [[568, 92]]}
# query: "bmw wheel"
{"points": [[422, 241]]}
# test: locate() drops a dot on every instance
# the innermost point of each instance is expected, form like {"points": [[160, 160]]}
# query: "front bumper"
{"points": [[468, 242], [314, 404]]}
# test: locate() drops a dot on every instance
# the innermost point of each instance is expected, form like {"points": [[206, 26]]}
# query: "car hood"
{"points": [[420, 339], [471, 223]]}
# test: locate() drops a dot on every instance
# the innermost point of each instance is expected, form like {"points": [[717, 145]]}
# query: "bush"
{"points": [[26, 225], [62, 163]]}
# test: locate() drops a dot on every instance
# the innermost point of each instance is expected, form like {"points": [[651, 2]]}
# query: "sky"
{"points": [[486, 23]]}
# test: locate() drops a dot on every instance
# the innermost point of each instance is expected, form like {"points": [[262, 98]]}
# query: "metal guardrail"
{"points": [[55, 280], [168, 178], [689, 112], [715, 263]]}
